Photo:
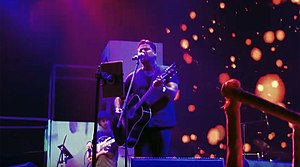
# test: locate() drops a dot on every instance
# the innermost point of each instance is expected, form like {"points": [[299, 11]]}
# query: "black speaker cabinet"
{"points": [[177, 162]]}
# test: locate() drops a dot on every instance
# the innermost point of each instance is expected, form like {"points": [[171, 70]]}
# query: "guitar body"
{"points": [[138, 118]]}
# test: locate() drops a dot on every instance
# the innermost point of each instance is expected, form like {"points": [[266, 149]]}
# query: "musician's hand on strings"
{"points": [[158, 83], [89, 145]]}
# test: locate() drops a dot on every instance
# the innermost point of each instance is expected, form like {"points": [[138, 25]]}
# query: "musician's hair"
{"points": [[150, 43], [104, 115]]}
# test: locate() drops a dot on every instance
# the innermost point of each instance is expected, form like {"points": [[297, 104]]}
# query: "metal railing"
{"points": [[235, 96]]}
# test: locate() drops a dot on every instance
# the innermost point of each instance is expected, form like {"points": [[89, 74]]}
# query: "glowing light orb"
{"points": [[193, 15], [187, 58], [247, 147], [183, 27], [212, 156], [283, 144], [223, 77], [233, 35], [248, 42], [213, 136], [211, 30], [197, 156], [185, 139], [291, 125], [274, 88], [221, 131], [222, 5], [168, 31], [273, 49], [191, 108], [213, 21], [232, 59], [193, 137], [222, 146], [195, 37], [201, 151], [280, 35], [184, 43], [279, 63], [296, 2], [276, 2], [275, 84], [260, 87], [256, 54], [271, 135], [269, 37], [233, 65]]}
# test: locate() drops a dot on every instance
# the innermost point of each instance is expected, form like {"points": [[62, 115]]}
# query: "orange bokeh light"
{"points": [[223, 77], [233, 35], [269, 37], [276, 2], [273, 49], [197, 156], [201, 151], [185, 139], [279, 63], [280, 35], [191, 108], [183, 27], [222, 5], [213, 136], [270, 87], [211, 30], [195, 37], [184, 43], [193, 137], [168, 31], [232, 59], [248, 42], [283, 144], [187, 58], [271, 135], [221, 131], [193, 15], [247, 147], [256, 54], [222, 146]]}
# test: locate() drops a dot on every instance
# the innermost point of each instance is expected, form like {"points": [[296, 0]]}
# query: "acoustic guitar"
{"points": [[139, 113]]}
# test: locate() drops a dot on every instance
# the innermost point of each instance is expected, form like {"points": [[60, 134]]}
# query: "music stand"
{"points": [[64, 155], [110, 75]]}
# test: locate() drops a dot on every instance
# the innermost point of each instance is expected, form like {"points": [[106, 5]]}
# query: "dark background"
{"points": [[36, 34]]}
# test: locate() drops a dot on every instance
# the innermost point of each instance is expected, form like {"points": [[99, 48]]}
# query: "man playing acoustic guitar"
{"points": [[153, 91], [107, 149]]}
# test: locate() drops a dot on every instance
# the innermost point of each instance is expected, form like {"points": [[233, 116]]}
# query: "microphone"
{"points": [[138, 56]]}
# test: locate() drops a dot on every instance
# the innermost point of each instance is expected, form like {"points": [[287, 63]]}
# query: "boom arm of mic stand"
{"points": [[124, 112]]}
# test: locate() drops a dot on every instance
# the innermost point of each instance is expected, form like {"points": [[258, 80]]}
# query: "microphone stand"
{"points": [[94, 142], [124, 110]]}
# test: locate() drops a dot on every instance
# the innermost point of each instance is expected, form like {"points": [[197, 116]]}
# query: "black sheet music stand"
{"points": [[110, 76], [64, 155]]}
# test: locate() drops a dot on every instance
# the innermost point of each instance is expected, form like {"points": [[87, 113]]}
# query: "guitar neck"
{"points": [[143, 99]]}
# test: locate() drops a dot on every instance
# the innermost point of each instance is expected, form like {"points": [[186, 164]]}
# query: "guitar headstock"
{"points": [[169, 71]]}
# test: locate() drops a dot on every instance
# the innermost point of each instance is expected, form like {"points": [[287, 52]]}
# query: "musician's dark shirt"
{"points": [[163, 110]]}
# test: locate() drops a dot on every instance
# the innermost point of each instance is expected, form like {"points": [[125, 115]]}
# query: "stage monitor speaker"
{"points": [[177, 162]]}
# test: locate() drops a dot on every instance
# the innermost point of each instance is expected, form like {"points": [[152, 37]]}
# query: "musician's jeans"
{"points": [[154, 142]]}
